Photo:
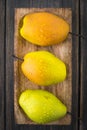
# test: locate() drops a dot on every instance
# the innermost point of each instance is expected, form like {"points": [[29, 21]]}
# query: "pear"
{"points": [[43, 68], [43, 28], [41, 106]]}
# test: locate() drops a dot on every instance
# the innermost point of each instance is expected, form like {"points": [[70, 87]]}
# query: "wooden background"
{"points": [[79, 63]]}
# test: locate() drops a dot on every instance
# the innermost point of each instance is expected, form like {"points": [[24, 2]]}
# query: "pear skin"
{"points": [[41, 106], [43, 68], [44, 28]]}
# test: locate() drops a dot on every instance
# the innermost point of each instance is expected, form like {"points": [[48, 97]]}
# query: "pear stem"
{"points": [[78, 35], [17, 58], [69, 113]]}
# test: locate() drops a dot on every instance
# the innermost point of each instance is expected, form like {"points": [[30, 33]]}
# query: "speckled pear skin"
{"points": [[41, 106], [43, 68], [44, 29]]}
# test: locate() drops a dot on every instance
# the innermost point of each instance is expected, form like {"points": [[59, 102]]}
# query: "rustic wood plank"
{"points": [[43, 4], [75, 59], [63, 51], [83, 50], [2, 64], [11, 4], [9, 65]]}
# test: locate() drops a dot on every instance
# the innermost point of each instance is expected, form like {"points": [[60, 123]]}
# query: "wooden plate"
{"points": [[63, 51]]}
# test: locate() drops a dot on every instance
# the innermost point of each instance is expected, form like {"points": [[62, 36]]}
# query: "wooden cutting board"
{"points": [[63, 51]]}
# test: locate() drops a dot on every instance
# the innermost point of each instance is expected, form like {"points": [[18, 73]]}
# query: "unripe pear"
{"points": [[42, 106]]}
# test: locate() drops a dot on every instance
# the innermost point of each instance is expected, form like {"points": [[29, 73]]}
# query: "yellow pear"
{"points": [[44, 28], [43, 68], [41, 106]]}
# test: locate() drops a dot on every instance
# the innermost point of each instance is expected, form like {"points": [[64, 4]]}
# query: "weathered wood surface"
{"points": [[83, 66], [2, 65], [63, 51]]}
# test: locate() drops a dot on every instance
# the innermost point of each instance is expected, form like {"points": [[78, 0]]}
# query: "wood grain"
{"points": [[63, 51], [2, 65], [83, 66]]}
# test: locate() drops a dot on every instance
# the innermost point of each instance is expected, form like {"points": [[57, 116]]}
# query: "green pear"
{"points": [[41, 106], [43, 68]]}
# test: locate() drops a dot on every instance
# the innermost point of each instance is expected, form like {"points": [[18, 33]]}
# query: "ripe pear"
{"points": [[44, 28], [41, 106], [43, 68]]}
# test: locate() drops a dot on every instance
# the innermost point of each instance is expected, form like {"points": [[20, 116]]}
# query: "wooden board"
{"points": [[63, 51]]}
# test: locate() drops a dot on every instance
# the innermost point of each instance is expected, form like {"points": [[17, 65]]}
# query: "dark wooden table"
{"points": [[79, 63]]}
